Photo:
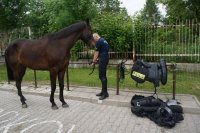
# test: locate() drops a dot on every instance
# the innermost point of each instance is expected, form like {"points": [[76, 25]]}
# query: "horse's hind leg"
{"points": [[61, 85], [53, 75], [19, 76]]}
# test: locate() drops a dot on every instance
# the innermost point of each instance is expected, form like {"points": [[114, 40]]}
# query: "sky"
{"points": [[133, 6]]}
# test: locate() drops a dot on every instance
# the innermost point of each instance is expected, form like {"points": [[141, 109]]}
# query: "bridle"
{"points": [[87, 38]]}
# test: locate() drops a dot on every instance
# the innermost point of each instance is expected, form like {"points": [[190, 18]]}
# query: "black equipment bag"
{"points": [[156, 110], [142, 106]]}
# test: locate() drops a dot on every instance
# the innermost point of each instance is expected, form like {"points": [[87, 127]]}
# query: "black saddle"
{"points": [[152, 72]]}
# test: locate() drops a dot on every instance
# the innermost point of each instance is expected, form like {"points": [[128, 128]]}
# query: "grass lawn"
{"points": [[187, 83]]}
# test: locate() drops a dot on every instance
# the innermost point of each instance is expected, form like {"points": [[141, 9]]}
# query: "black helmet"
{"points": [[164, 112]]}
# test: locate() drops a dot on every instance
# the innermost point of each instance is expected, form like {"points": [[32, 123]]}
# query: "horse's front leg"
{"points": [[53, 75], [61, 85]]}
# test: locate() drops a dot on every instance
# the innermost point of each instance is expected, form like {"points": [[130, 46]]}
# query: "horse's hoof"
{"points": [[65, 105], [24, 105], [24, 98], [54, 107]]}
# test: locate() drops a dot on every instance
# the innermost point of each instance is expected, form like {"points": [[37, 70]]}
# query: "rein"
{"points": [[92, 68], [90, 62]]}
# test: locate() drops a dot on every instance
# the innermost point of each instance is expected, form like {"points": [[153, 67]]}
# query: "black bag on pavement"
{"points": [[155, 109]]}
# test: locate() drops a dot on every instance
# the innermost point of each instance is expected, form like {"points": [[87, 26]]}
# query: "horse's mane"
{"points": [[68, 30]]}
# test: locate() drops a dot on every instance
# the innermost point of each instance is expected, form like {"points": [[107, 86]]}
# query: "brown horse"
{"points": [[51, 53]]}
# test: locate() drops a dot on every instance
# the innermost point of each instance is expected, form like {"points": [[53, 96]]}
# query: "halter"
{"points": [[87, 38]]}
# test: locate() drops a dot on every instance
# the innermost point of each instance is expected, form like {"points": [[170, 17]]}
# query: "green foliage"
{"points": [[116, 28], [150, 14], [144, 23], [77, 49], [182, 9], [144, 32], [109, 20], [108, 5], [63, 13], [181, 41], [37, 18], [12, 13]]}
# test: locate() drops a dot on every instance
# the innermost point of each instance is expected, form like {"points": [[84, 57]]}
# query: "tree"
{"points": [[150, 13], [63, 13], [45, 16], [139, 31], [12, 13], [142, 25], [108, 5], [182, 9], [117, 29], [37, 17]]}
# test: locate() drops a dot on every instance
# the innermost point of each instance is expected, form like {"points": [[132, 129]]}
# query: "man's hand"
{"points": [[92, 63]]}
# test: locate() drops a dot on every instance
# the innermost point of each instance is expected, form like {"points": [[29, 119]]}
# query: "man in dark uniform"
{"points": [[101, 53]]}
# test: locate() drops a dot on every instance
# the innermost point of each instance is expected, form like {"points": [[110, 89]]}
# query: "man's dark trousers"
{"points": [[103, 62]]}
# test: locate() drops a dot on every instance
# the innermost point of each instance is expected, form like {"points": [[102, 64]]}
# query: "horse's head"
{"points": [[87, 34]]}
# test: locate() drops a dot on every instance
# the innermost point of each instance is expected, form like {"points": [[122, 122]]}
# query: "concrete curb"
{"points": [[108, 101]]}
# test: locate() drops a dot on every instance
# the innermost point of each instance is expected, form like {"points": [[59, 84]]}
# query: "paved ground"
{"points": [[189, 103], [85, 115]]}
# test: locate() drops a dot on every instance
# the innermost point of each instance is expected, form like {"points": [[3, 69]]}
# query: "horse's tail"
{"points": [[9, 70]]}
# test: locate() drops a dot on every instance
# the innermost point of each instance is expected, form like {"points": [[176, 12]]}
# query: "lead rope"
{"points": [[90, 62]]}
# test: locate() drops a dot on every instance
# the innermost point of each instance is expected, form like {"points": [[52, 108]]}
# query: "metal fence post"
{"points": [[35, 78], [8, 80], [67, 77], [117, 79], [174, 80], [30, 34]]}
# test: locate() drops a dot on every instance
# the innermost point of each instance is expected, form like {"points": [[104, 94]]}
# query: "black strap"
{"points": [[92, 67]]}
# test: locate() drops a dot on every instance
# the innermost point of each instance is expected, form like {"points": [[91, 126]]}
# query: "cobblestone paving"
{"points": [[189, 103], [80, 117]]}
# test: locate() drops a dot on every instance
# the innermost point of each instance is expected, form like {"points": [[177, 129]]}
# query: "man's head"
{"points": [[96, 37]]}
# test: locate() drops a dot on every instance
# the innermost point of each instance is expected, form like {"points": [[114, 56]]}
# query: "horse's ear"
{"points": [[88, 21]]}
